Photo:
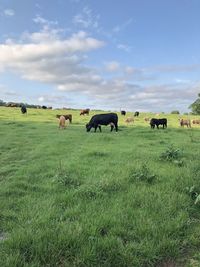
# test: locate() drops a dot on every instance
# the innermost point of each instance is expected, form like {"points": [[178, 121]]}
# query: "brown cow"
{"points": [[196, 121], [184, 122], [62, 122], [67, 117], [146, 119], [85, 111], [129, 120]]}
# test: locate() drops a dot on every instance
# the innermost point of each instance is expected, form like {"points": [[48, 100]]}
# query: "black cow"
{"points": [[156, 122], [136, 113], [23, 109], [123, 112], [103, 119]]}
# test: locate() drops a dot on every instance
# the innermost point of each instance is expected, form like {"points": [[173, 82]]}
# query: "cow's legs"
{"points": [[116, 127], [100, 128]]}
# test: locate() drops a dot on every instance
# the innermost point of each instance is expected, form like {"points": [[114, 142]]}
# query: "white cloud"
{"points": [[40, 20], [175, 68], [14, 54], [124, 47], [9, 12], [7, 92], [41, 99], [112, 66], [129, 70], [86, 19], [177, 80], [122, 26]]}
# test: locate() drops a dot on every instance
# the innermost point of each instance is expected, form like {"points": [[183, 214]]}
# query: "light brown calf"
{"points": [[62, 122], [185, 122], [196, 121], [129, 120]]}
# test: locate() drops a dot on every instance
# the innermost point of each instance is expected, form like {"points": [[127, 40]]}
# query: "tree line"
{"points": [[16, 104], [195, 106]]}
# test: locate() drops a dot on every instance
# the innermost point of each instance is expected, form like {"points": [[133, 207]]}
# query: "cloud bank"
{"points": [[51, 57]]}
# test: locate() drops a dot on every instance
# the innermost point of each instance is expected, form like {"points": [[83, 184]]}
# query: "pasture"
{"points": [[72, 198]]}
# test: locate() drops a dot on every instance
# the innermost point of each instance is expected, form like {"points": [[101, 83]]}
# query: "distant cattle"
{"points": [[146, 119], [186, 122], [62, 122], [129, 120], [137, 113], [12, 105], [196, 121], [23, 109], [85, 111], [67, 117], [156, 122], [123, 112], [44, 107], [103, 119]]}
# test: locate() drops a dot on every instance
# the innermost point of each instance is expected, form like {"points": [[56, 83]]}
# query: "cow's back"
{"points": [[104, 119]]}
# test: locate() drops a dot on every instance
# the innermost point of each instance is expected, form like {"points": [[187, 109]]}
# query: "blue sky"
{"points": [[134, 55]]}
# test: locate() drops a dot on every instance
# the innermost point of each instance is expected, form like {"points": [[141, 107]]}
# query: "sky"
{"points": [[101, 54]]}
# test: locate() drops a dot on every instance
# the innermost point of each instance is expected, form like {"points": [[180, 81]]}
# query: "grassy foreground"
{"points": [[71, 198]]}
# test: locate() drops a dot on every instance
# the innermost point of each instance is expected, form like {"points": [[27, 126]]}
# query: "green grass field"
{"points": [[72, 198]]}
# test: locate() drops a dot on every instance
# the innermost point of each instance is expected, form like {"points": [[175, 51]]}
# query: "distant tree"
{"points": [[175, 112], [195, 107], [2, 103]]}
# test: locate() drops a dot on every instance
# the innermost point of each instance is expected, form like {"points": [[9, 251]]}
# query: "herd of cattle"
{"points": [[112, 119]]}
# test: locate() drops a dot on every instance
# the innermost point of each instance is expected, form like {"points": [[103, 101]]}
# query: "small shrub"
{"points": [[143, 174], [175, 112], [192, 191], [171, 154]]}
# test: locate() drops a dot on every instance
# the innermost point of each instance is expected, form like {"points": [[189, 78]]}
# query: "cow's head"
{"points": [[88, 127]]}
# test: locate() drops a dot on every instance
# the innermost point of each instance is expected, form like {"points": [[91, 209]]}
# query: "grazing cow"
{"points": [[137, 113], [23, 109], [62, 122], [123, 112], [146, 119], [129, 120], [196, 121], [185, 122], [103, 119], [85, 111], [156, 122], [67, 117]]}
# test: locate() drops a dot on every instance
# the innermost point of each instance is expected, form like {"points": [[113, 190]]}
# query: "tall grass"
{"points": [[71, 198]]}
